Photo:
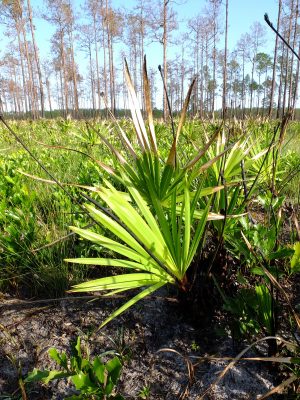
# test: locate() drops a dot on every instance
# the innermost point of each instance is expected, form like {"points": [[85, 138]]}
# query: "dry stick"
{"points": [[221, 238], [283, 126], [24, 303], [288, 179], [235, 360], [59, 147], [262, 164], [190, 369], [106, 168], [246, 192], [59, 239], [279, 388], [286, 360], [266, 17], [168, 101], [296, 224], [118, 125]]}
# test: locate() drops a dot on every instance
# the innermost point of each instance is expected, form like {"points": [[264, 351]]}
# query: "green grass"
{"points": [[33, 214]]}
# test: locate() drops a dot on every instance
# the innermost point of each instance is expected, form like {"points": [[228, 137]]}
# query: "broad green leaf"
{"points": [[295, 261], [77, 347], [99, 370], [203, 192], [82, 381], [45, 376], [114, 368], [283, 252], [142, 205], [61, 358], [116, 229]]}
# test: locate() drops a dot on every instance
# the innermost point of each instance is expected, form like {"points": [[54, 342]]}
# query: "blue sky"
{"points": [[242, 14]]}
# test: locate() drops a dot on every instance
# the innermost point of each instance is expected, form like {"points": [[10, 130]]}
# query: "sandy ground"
{"points": [[28, 330]]}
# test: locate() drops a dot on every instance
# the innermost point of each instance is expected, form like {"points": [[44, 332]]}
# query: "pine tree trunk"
{"points": [[22, 69], [64, 76], [97, 64], [30, 74], [243, 87], [290, 96], [225, 64], [275, 62], [37, 59], [286, 68], [104, 65], [251, 88], [280, 83], [74, 73], [295, 94], [92, 80], [165, 66], [49, 96]]}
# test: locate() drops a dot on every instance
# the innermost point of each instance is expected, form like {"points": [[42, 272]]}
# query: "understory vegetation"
{"points": [[208, 208]]}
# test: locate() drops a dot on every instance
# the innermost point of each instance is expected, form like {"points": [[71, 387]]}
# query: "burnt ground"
{"points": [[28, 330]]}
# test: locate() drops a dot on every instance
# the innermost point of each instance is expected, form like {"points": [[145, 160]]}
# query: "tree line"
{"points": [[243, 80]]}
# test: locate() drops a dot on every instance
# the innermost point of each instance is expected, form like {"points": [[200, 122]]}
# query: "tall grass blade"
{"points": [[172, 155], [147, 94], [202, 152], [136, 113]]}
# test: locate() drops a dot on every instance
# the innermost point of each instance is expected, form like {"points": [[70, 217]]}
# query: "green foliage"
{"points": [[93, 379], [295, 261], [158, 252], [145, 393], [259, 249], [159, 230], [34, 214], [252, 309]]}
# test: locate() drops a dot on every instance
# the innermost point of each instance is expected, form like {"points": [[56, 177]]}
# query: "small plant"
{"points": [[145, 393], [195, 346], [93, 379]]}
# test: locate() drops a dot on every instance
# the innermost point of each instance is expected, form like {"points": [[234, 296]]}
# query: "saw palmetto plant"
{"points": [[157, 221], [156, 224], [156, 248]]}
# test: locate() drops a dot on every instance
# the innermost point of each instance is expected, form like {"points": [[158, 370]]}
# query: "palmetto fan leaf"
{"points": [[152, 174], [158, 230], [157, 250]]}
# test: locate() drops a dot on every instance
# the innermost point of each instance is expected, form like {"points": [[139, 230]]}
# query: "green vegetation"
{"points": [[153, 207], [93, 379], [204, 206]]}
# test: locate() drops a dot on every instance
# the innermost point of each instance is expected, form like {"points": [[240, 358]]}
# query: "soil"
{"points": [[28, 330]]}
